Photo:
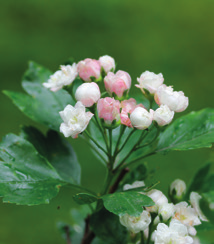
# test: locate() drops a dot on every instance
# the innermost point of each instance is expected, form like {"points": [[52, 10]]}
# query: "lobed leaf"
{"points": [[192, 131], [40, 104], [58, 152], [27, 177], [129, 202]]}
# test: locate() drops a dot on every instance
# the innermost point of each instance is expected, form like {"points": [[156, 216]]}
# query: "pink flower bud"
{"points": [[117, 83], [141, 118], [163, 115], [150, 81], [89, 68], [128, 106], [88, 94], [176, 101], [108, 109], [107, 63]]}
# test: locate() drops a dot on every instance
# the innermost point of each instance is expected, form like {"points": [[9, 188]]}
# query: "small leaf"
{"points": [[194, 130], [85, 198], [58, 152], [40, 104], [129, 202], [107, 227]]}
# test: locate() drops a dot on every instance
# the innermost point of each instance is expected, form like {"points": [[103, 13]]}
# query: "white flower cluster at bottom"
{"points": [[181, 217]]}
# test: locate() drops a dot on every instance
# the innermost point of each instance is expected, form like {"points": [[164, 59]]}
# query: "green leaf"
{"points": [[194, 130], [85, 198], [129, 202], [26, 177], [40, 104], [107, 227], [198, 180], [58, 152], [206, 205]]}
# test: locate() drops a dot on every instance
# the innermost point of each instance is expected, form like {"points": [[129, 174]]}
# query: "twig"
{"points": [[68, 239], [88, 234], [120, 177]]}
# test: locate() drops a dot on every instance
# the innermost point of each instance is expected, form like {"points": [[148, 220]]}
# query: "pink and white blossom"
{"points": [[107, 63], [63, 77], [141, 118], [89, 68], [117, 83], [163, 115], [176, 101], [75, 119], [108, 109], [128, 107], [88, 94], [175, 233], [150, 81], [136, 224]]}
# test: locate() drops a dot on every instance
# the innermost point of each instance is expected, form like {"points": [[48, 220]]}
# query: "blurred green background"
{"points": [[172, 37]]}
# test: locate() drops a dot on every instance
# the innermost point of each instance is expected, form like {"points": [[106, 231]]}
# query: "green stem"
{"points": [[142, 237], [128, 137], [108, 180], [122, 129], [132, 150], [110, 147], [96, 151], [101, 130], [92, 139], [150, 230]]}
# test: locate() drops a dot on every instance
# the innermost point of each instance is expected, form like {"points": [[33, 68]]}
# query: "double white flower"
{"points": [[62, 77], [175, 233], [75, 120]]}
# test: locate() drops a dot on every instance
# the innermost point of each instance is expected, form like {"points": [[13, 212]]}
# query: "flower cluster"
{"points": [[113, 105], [174, 222]]}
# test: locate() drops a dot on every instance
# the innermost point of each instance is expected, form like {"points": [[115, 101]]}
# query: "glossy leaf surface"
{"points": [[194, 130], [58, 152], [40, 104], [128, 202], [26, 177]]}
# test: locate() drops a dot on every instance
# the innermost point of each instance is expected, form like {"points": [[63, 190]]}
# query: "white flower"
{"points": [[75, 120], [176, 233], [194, 200], [133, 185], [150, 81], [158, 197], [186, 215], [166, 211], [62, 77], [141, 118], [136, 224], [163, 115], [176, 101], [179, 187], [88, 94], [107, 63]]}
